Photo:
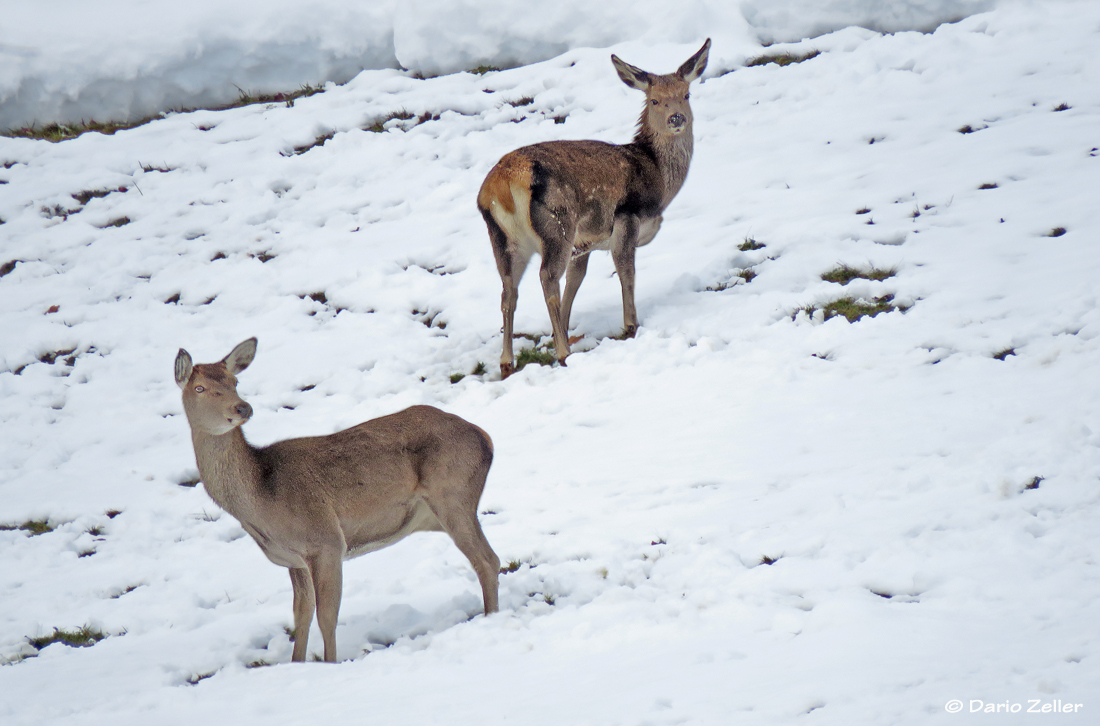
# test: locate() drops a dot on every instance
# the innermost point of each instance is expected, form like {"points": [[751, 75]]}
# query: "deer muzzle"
{"points": [[677, 121]]}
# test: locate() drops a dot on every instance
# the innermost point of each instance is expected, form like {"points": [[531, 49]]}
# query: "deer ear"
{"points": [[241, 356], [694, 66], [183, 368], [632, 75]]}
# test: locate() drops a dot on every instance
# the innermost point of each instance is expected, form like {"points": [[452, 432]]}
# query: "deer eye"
{"points": [[654, 101], [199, 389], [687, 96]]}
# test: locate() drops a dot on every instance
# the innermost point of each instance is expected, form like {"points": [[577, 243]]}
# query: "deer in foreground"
{"points": [[311, 503], [563, 199]]}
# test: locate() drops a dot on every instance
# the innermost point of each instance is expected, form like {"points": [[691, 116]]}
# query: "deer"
{"points": [[311, 503], [563, 199]]}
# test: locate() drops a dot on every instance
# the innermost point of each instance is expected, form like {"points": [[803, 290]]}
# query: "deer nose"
{"points": [[677, 120], [243, 410]]}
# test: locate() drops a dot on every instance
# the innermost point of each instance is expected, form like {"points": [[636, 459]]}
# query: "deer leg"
{"points": [[624, 240], [516, 264], [326, 570], [461, 524], [578, 266], [556, 233], [304, 603]]}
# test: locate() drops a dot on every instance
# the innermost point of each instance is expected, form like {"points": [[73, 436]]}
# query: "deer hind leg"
{"points": [[556, 232], [304, 603], [511, 262], [459, 520], [578, 266], [326, 570]]}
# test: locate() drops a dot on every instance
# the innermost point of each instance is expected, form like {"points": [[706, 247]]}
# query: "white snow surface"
{"points": [[929, 511], [119, 60]]}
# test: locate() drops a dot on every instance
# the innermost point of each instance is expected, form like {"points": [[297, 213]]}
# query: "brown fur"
{"points": [[563, 199], [310, 503]]}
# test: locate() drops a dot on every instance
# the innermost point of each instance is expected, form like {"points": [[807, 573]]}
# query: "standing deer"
{"points": [[311, 503], [563, 199]]}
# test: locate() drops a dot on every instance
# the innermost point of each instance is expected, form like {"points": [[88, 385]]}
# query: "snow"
{"points": [[119, 60], [644, 487]]}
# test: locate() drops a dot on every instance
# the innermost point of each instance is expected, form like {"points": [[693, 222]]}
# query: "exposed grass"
{"points": [[968, 129], [747, 274], [117, 222], [844, 274], [534, 355], [8, 266], [863, 210], [1056, 232], [782, 59], [512, 566], [1002, 354], [319, 141], [34, 526], [750, 244], [379, 125], [482, 70], [988, 185], [1034, 483], [852, 309], [1063, 107], [62, 132], [79, 638], [456, 377], [88, 195], [765, 560]]}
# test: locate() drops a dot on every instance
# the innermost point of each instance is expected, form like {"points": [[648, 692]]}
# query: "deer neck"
{"points": [[672, 154], [229, 470]]}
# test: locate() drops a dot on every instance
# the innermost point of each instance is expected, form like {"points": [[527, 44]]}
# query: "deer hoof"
{"points": [[507, 369], [629, 331]]}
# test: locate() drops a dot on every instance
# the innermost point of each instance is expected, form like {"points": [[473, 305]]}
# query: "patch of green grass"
{"points": [[852, 309], [782, 59], [534, 355], [479, 369], [750, 244], [79, 638], [844, 274], [482, 70], [456, 377], [747, 274], [34, 526], [512, 566], [380, 124]]}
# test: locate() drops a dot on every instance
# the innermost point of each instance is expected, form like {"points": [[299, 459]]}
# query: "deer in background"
{"points": [[311, 503], [563, 199]]}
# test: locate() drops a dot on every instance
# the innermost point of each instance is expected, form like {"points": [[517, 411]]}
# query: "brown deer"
{"points": [[563, 199], [311, 503]]}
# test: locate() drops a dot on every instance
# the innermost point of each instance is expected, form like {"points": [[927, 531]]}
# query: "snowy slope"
{"points": [[881, 467], [119, 60]]}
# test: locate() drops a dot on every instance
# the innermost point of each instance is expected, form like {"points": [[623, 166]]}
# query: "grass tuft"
{"points": [[79, 638], [852, 309], [988, 185], [1063, 107], [1002, 354], [782, 59], [1056, 232], [379, 125], [749, 245], [34, 526], [482, 70], [534, 355], [844, 274], [1034, 483], [512, 566]]}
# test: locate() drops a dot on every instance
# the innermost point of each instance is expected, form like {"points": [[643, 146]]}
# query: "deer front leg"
{"points": [[327, 573], [304, 603], [623, 241]]}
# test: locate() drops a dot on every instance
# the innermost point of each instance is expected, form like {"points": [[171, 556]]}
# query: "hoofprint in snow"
{"points": [[746, 514]]}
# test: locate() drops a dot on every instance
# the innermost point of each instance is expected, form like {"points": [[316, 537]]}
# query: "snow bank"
{"points": [[126, 59]]}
